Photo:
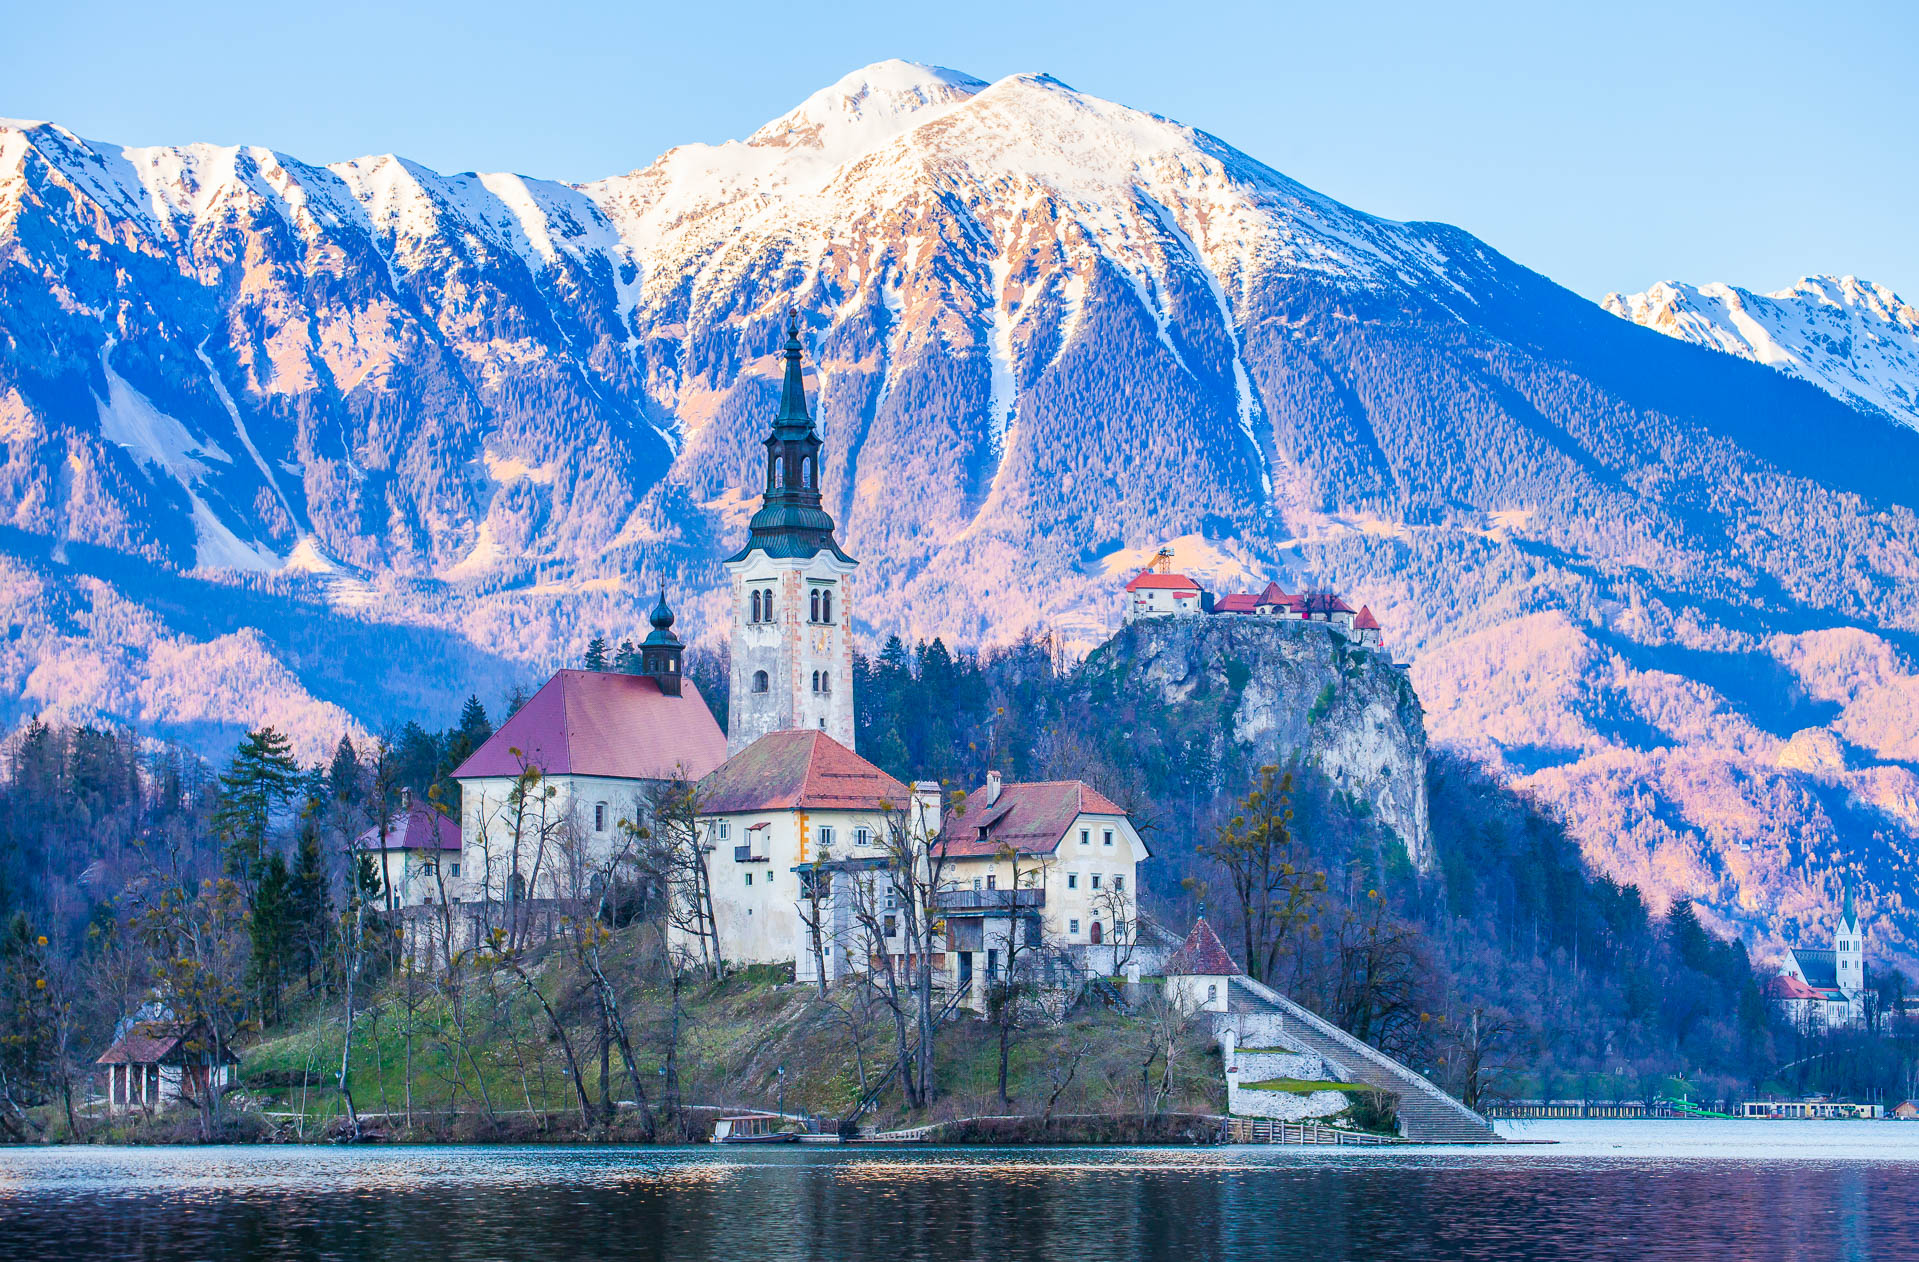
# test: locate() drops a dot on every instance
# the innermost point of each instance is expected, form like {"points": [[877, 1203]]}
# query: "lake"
{"points": [[1632, 1189]]}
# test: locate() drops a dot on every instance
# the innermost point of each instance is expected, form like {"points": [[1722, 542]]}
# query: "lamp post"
{"points": [[782, 1093]]}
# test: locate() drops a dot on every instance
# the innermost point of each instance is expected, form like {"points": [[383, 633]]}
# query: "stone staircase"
{"points": [[1426, 1113]]}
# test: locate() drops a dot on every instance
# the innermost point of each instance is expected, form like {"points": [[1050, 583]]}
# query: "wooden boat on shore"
{"points": [[753, 1128]]}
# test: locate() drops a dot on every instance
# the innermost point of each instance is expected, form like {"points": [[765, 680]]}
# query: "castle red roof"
{"points": [[1276, 595], [1201, 955], [1365, 621], [1154, 579], [420, 827], [785, 771], [1030, 818], [601, 723], [1238, 602]]}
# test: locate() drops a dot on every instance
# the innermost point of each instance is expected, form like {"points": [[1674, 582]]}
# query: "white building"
{"points": [[790, 809], [416, 854], [1156, 593], [1828, 986], [1054, 855], [1199, 974]]}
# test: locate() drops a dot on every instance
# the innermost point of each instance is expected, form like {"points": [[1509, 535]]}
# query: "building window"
{"points": [[826, 605], [1109, 837], [893, 898], [754, 602], [1072, 880], [726, 830], [806, 473], [814, 614], [862, 836], [1072, 927], [826, 836], [759, 681], [976, 883], [992, 881], [749, 878], [1212, 992], [1095, 880], [892, 926], [1119, 882], [1085, 836], [456, 868], [599, 817]]}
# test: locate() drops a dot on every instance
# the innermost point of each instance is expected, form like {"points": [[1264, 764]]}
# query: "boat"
{"points": [[753, 1128]]}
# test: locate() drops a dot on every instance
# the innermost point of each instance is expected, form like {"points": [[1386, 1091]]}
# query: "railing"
{"points": [[744, 854], [1265, 1130], [961, 901]]}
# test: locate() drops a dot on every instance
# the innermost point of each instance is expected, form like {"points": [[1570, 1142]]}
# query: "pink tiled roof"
{"points": [[808, 770], [1276, 595], [1786, 986], [1201, 955], [1238, 602], [601, 723], [153, 1042], [1151, 578], [1031, 818], [420, 827], [1366, 621]]}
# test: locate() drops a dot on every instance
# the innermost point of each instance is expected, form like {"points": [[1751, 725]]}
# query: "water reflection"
{"points": [[1609, 1190]]}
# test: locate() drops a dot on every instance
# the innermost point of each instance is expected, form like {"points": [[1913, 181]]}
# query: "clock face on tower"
{"points": [[792, 644]]}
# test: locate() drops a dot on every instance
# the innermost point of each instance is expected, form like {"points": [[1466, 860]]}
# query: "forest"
{"points": [[131, 868]]}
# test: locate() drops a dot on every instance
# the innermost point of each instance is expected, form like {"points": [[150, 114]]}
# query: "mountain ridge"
{"points": [[487, 416]]}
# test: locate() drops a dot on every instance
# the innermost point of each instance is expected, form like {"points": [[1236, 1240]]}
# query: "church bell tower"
{"points": [[792, 590]]}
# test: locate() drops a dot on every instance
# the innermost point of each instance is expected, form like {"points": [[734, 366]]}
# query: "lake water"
{"points": [[1630, 1190]]}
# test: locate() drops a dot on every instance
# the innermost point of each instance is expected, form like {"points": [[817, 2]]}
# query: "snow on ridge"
{"points": [[1854, 339]]}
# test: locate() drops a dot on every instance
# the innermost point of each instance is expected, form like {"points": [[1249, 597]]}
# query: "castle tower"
{"points": [[1849, 948], [792, 591], [660, 651]]}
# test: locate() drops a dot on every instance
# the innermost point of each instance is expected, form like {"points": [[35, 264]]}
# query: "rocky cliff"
{"points": [[1269, 692]]}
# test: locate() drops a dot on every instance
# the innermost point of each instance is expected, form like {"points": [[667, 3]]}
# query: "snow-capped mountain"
{"points": [[299, 443], [1853, 339]]}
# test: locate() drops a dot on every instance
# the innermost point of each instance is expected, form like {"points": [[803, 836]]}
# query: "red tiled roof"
{"points": [[1201, 955], [1276, 595], [601, 723], [1031, 818], [784, 771], [1238, 602], [1786, 986], [1365, 621], [152, 1042], [419, 828], [1175, 582]]}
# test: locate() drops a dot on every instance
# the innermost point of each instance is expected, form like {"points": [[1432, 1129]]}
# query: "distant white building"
{"points": [[1827, 986]]}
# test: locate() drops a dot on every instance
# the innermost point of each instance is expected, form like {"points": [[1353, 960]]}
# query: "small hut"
{"points": [[1199, 974], [158, 1063]]}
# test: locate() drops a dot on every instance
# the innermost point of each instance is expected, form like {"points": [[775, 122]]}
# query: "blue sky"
{"points": [[1607, 145]]}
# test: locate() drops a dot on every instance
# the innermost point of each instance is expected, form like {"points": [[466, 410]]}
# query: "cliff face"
{"points": [[1266, 691]]}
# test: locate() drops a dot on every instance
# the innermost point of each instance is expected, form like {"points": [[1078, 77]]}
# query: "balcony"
{"points": [[744, 854], [979, 902]]}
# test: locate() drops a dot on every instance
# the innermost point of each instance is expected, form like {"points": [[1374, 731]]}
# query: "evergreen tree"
{"points": [[261, 777], [596, 653], [343, 774], [272, 930], [514, 700], [627, 661], [310, 904], [474, 725]]}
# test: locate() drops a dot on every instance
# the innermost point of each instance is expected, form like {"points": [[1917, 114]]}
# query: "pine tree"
{"points": [[261, 777], [596, 653], [627, 661], [271, 926], [311, 912], [343, 774], [474, 725]]}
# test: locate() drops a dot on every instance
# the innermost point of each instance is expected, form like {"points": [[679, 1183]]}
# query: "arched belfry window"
{"points": [[816, 605], [756, 605], [826, 605], [759, 681], [774, 466], [806, 473]]}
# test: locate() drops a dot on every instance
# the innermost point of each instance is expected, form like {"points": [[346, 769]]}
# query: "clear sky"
{"points": [[1608, 144]]}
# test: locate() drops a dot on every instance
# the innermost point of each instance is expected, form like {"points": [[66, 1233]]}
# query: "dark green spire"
{"points": [[791, 521], [1846, 914], [660, 651]]}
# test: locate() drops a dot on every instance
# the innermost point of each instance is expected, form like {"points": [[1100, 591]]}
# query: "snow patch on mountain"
{"points": [[1856, 340]]}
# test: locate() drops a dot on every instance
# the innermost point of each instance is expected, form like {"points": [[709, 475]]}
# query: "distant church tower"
{"points": [[1849, 948], [792, 591]]}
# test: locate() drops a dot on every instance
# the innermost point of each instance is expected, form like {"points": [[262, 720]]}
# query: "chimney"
{"points": [[406, 797], [926, 805], [992, 787]]}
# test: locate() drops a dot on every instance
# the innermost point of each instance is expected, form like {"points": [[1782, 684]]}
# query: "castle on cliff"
{"points": [[1158, 592]]}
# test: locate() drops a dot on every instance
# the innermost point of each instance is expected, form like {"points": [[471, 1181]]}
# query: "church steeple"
{"points": [[791, 522], [660, 652]]}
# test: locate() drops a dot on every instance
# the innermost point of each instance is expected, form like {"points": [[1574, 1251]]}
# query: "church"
{"points": [[1826, 986], [793, 825]]}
